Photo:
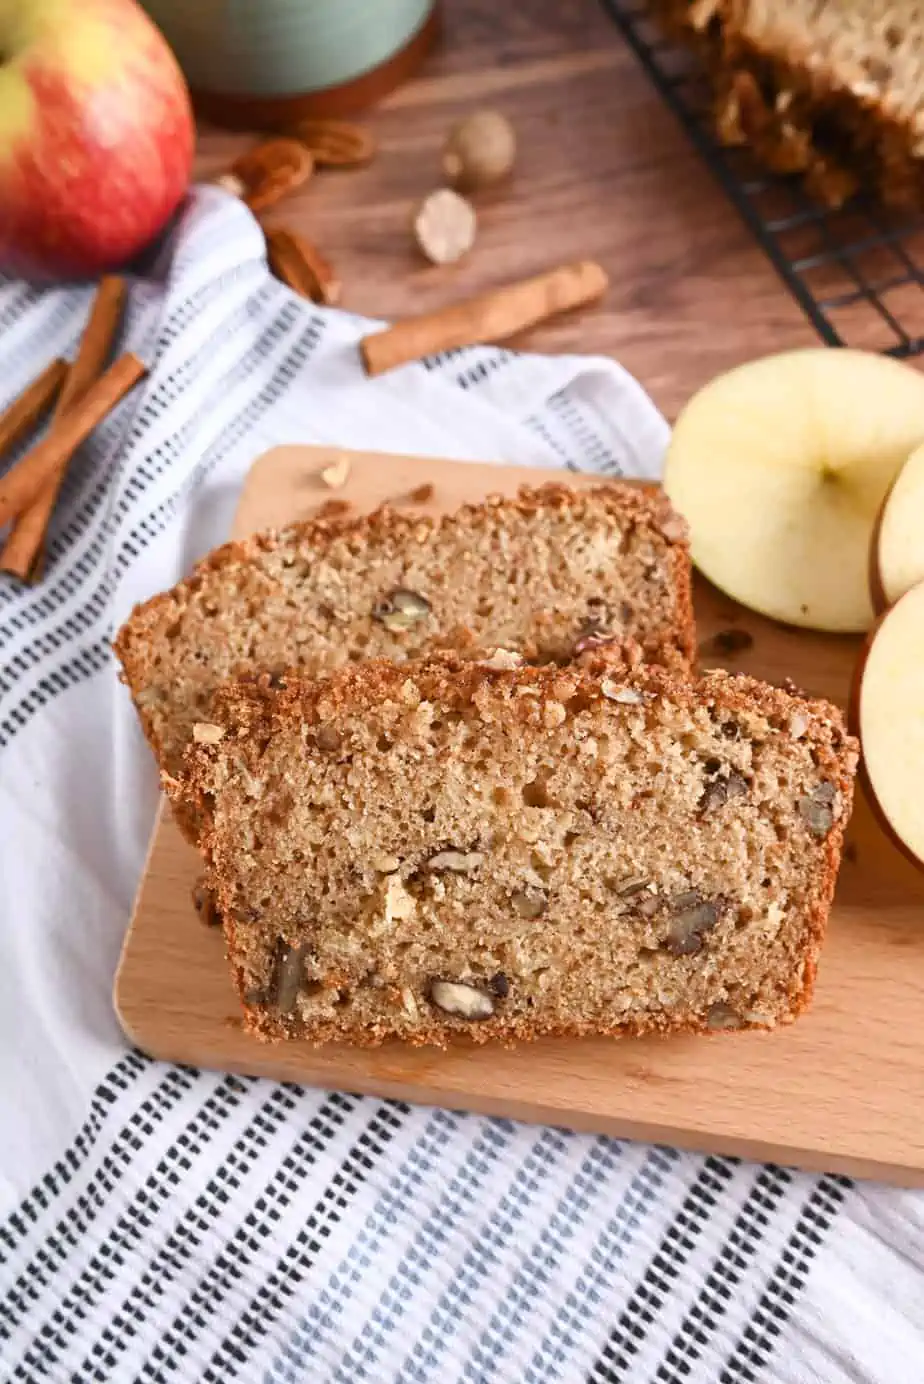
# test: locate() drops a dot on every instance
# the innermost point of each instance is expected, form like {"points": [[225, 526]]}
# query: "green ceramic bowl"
{"points": [[270, 49]]}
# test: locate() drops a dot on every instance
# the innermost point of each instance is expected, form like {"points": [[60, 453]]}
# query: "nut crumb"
{"points": [[675, 529], [630, 696], [817, 809], [503, 659], [327, 738], [337, 473], [694, 917], [460, 1000], [719, 789], [458, 862], [422, 493], [530, 903], [409, 1002], [721, 1016], [798, 724], [205, 733], [333, 509], [288, 975], [401, 609], [399, 904]]}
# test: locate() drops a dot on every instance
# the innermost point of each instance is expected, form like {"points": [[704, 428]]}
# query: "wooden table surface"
{"points": [[604, 171]]}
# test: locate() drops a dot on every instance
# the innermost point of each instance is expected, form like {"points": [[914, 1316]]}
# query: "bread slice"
{"points": [[831, 90], [431, 850], [555, 570]]}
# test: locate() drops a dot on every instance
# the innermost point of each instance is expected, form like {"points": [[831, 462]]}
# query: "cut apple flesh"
{"points": [[898, 548], [780, 468], [889, 716]]}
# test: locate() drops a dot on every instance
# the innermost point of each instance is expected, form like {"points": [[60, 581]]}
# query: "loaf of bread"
{"points": [[551, 573], [832, 90], [424, 851]]}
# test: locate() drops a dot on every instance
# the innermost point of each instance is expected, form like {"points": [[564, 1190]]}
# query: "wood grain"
{"points": [[604, 172], [841, 1090]]}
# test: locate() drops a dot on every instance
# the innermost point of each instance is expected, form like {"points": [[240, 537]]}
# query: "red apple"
{"points": [[96, 135]]}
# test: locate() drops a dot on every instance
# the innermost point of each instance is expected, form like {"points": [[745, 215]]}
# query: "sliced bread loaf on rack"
{"points": [[831, 90]]}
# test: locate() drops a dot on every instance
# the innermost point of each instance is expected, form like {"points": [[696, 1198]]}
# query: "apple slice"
{"points": [[897, 552], [780, 468], [887, 711]]}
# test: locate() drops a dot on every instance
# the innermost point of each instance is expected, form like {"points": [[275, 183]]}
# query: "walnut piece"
{"points": [[721, 1016], [693, 915], [205, 733], [720, 789], [504, 660], [462, 1001], [817, 809], [630, 696], [530, 903], [287, 978], [798, 724], [327, 738], [457, 862], [401, 609]]}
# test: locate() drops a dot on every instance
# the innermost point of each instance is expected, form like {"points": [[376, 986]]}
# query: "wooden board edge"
{"points": [[121, 979], [695, 1141]]}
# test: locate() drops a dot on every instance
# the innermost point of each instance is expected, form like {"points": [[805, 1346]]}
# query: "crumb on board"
{"points": [[333, 509], [337, 473]]}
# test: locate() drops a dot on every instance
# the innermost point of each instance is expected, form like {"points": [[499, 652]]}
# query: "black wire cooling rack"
{"points": [[856, 273]]}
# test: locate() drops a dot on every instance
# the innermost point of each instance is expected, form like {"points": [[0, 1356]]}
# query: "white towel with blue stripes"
{"points": [[162, 1224]]}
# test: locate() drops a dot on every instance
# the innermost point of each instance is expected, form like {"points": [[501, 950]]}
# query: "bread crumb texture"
{"points": [[448, 851], [552, 574]]}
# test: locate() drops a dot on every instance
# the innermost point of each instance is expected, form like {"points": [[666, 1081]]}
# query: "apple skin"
{"points": [[876, 589], [905, 495], [96, 135], [853, 725]]}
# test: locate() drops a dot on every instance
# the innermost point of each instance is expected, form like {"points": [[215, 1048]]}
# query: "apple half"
{"points": [[781, 466], [897, 552], [887, 712]]}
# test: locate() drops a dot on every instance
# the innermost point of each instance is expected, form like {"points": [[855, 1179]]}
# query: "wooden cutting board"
{"points": [[841, 1090]]}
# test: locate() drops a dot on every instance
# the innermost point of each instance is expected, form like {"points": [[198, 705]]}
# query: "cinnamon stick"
{"points": [[26, 410], [487, 318], [24, 481], [24, 544], [300, 265]]}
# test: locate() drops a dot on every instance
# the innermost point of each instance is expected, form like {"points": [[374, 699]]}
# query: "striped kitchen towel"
{"points": [[163, 1224]]}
